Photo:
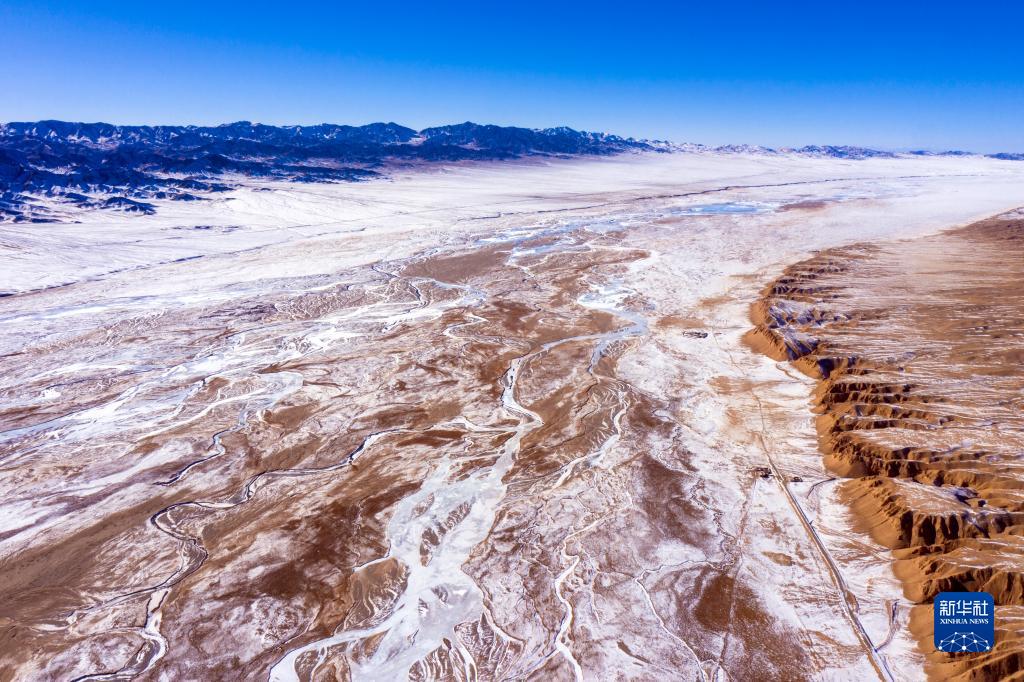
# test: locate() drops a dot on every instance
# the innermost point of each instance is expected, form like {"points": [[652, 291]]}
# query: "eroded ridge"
{"points": [[918, 347]]}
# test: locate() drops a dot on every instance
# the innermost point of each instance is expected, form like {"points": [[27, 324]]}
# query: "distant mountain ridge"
{"points": [[496, 140], [99, 134], [126, 165], [115, 167]]}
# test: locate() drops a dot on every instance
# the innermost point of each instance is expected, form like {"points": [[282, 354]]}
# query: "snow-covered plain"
{"points": [[136, 346], [413, 210]]}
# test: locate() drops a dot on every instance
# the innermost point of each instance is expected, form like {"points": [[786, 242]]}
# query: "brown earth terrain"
{"points": [[918, 347], [465, 460], [506, 433]]}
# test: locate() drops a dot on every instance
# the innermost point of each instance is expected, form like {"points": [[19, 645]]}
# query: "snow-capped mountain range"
{"points": [[99, 165]]}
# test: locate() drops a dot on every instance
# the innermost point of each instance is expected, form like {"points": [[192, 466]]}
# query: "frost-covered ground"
{"points": [[420, 209], [491, 420]]}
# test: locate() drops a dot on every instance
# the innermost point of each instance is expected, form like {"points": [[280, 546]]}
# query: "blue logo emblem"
{"points": [[964, 621]]}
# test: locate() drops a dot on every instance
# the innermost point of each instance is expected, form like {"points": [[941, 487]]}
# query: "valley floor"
{"points": [[485, 422]]}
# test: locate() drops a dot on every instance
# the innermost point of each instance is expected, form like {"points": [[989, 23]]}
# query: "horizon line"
{"points": [[664, 140]]}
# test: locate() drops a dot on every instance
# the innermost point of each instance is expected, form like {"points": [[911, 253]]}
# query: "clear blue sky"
{"points": [[891, 74]]}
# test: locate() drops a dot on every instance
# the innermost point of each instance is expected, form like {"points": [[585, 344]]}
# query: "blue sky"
{"points": [[893, 74]]}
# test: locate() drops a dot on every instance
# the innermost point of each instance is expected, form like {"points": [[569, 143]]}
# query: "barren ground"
{"points": [[493, 422]]}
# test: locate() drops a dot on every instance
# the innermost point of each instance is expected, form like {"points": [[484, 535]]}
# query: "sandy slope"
{"points": [[494, 421]]}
